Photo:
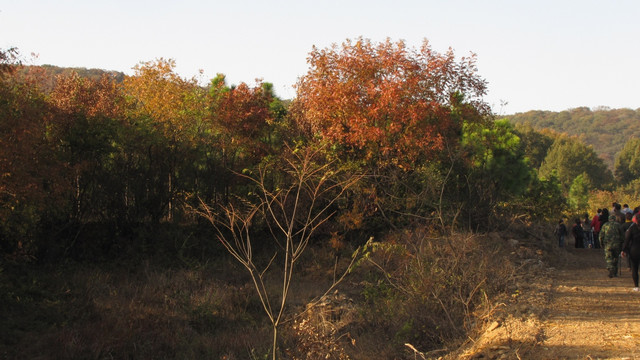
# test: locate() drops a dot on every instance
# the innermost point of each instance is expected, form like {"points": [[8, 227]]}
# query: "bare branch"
{"points": [[293, 213]]}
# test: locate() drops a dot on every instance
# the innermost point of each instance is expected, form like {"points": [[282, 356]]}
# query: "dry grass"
{"points": [[417, 294], [319, 330], [148, 313], [413, 296], [411, 288]]}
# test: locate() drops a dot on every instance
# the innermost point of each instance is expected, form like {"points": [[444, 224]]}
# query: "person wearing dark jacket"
{"points": [[604, 217], [628, 220], [588, 232], [560, 231], [631, 248], [578, 234]]}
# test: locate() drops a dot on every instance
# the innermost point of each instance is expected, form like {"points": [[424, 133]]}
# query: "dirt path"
{"points": [[589, 315], [572, 311]]}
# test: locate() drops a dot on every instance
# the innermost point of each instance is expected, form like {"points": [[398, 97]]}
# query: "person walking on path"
{"points": [[588, 232], [578, 234], [595, 224], [560, 232], [631, 248], [625, 226], [628, 220], [617, 211], [604, 217], [611, 238]]}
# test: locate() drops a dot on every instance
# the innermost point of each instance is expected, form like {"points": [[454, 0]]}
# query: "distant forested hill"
{"points": [[607, 130], [46, 74]]}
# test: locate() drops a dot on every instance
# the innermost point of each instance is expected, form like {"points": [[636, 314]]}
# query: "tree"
{"points": [[242, 115], [542, 200], [245, 122], [172, 106], [496, 151], [579, 193], [294, 209], [9, 60], [385, 102], [73, 94], [395, 112], [627, 165], [536, 144], [498, 170], [158, 92], [569, 157], [31, 177], [88, 114]]}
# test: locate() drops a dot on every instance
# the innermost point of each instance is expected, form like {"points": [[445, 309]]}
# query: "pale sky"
{"points": [[536, 55]]}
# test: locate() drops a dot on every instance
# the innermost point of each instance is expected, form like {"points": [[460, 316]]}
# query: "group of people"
{"points": [[617, 231]]}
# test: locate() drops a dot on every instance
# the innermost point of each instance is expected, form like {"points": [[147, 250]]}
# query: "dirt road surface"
{"points": [[572, 310], [589, 315]]}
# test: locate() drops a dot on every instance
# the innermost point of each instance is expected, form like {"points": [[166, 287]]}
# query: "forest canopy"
{"points": [[606, 130], [89, 146]]}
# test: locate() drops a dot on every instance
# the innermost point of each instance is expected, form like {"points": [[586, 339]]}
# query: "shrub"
{"points": [[426, 290]]}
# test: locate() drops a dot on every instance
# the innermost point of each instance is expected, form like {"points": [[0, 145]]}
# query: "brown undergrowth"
{"points": [[411, 295], [417, 296], [514, 329], [96, 312]]}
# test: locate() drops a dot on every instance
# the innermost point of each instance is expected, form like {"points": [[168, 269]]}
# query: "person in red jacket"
{"points": [[595, 225]]}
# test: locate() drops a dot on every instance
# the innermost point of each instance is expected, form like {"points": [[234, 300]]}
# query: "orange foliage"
{"points": [[74, 94], [386, 99], [157, 91], [29, 171], [242, 113]]}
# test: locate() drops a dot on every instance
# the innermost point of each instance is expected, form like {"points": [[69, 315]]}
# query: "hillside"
{"points": [[46, 74], [607, 130]]}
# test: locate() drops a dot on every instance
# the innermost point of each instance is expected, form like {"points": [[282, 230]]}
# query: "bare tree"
{"points": [[302, 199]]}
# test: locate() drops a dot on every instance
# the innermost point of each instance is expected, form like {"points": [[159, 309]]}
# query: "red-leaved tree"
{"points": [[385, 101]]}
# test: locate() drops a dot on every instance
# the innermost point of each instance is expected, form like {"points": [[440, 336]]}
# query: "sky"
{"points": [[535, 55]]}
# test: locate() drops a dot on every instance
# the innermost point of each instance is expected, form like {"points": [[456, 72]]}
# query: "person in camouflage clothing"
{"points": [[611, 238]]}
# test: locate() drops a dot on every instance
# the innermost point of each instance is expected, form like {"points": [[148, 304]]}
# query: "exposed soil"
{"points": [[569, 309]]}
